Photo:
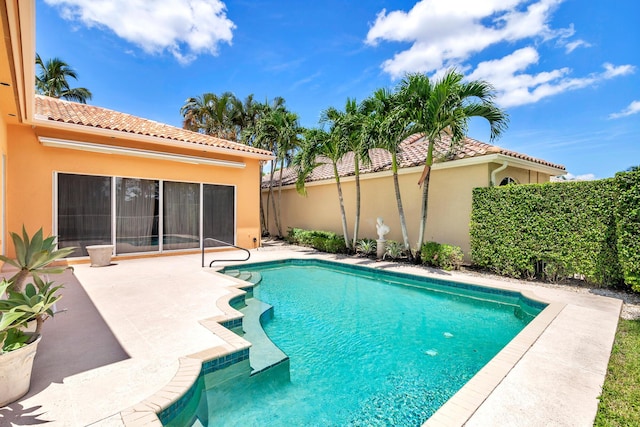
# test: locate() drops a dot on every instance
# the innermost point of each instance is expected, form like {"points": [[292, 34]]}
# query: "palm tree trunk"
{"points": [[345, 232], [263, 223], [278, 212], [424, 181], [425, 201], [356, 225], [403, 222], [270, 195]]}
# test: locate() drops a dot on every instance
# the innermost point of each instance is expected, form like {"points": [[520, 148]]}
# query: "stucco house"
{"points": [[95, 176], [453, 177]]}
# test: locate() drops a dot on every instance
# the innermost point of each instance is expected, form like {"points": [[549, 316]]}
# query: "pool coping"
{"points": [[456, 411], [146, 413], [466, 401]]}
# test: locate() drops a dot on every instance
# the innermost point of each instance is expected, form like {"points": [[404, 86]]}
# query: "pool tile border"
{"points": [[170, 399]]}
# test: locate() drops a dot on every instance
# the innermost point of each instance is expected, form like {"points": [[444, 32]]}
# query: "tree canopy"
{"points": [[52, 80]]}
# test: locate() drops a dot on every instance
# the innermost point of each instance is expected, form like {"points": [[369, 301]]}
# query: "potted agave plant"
{"points": [[24, 302]]}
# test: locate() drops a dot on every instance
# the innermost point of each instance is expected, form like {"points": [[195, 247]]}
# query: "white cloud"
{"points": [[185, 28], [571, 46], [514, 87], [449, 33], [571, 177], [633, 108]]}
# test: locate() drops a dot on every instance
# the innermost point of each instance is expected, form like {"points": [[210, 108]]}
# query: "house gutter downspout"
{"points": [[495, 172]]}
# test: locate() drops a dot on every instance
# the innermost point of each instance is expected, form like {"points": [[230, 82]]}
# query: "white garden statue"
{"points": [[381, 228]]}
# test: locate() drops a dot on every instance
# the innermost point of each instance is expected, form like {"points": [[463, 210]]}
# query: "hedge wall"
{"points": [[552, 230], [628, 219]]}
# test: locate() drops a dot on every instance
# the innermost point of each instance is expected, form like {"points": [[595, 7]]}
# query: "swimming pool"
{"points": [[366, 347]]}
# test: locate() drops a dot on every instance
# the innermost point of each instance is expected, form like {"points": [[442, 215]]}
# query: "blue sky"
{"points": [[566, 71]]}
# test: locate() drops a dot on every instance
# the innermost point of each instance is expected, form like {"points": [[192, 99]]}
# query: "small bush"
{"points": [[394, 250], [366, 247], [325, 241], [441, 255]]}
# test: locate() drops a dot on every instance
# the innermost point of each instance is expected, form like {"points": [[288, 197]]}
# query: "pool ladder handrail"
{"points": [[227, 244]]}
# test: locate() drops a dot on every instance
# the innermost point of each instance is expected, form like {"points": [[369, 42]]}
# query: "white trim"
{"points": [[161, 212], [114, 213], [201, 213], [43, 122], [157, 155], [501, 158], [55, 206], [235, 214]]}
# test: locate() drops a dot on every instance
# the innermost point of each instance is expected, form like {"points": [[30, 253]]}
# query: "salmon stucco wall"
{"points": [[3, 184], [448, 214], [32, 167]]}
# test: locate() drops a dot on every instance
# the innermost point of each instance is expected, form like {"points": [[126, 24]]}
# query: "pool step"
{"points": [[232, 273], [264, 354], [248, 276]]}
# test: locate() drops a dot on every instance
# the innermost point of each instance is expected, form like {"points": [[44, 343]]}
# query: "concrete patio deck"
{"points": [[127, 324]]}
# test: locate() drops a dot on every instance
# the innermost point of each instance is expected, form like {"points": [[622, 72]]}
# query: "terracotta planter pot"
{"points": [[15, 372]]}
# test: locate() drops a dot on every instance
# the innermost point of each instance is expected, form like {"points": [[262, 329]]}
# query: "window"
{"points": [[508, 180], [148, 215], [84, 211]]}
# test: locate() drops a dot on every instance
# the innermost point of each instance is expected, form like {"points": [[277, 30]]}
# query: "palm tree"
{"points": [[386, 124], [318, 147], [347, 128], [445, 107], [277, 131], [52, 80], [244, 115], [210, 114]]}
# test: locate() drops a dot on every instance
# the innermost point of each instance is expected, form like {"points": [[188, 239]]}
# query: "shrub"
{"points": [[441, 255], [551, 230], [628, 227], [325, 241], [366, 247]]}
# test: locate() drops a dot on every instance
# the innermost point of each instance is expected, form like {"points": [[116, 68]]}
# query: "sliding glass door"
{"points": [[84, 211], [181, 219], [137, 203], [218, 214], [142, 215]]}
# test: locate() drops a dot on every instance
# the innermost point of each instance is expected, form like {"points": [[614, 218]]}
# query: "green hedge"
{"points": [[628, 226], [325, 241], [551, 230]]}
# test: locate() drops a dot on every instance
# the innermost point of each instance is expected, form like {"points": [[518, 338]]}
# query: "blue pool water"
{"points": [[364, 350]]}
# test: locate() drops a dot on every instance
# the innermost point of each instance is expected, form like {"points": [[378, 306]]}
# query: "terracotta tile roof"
{"points": [[58, 110], [413, 152]]}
